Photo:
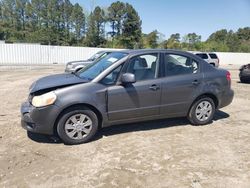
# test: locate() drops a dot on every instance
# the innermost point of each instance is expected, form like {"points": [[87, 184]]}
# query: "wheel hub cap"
{"points": [[78, 126], [203, 110]]}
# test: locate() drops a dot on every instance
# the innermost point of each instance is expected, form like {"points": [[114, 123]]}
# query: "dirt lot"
{"points": [[166, 153]]}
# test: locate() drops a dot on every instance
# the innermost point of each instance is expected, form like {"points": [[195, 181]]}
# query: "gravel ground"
{"points": [[166, 153]]}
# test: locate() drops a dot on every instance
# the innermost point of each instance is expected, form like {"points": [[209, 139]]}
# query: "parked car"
{"points": [[126, 87], [245, 73], [74, 66], [211, 58]]}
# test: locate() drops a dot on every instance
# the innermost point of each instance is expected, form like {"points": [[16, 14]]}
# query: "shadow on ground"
{"points": [[125, 128], [246, 82]]}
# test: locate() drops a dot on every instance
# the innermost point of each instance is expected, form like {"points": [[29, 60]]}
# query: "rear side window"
{"points": [[202, 55], [179, 65], [213, 56]]}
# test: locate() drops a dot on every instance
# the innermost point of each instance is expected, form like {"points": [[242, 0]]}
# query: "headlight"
{"points": [[44, 100]]}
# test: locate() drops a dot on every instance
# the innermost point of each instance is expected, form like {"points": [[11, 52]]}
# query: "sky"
{"points": [[185, 16]]}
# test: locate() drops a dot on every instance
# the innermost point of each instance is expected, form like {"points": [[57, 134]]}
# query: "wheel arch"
{"points": [[210, 95], [80, 106]]}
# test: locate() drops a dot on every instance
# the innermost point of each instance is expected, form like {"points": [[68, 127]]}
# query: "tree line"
{"points": [[220, 41], [59, 22]]}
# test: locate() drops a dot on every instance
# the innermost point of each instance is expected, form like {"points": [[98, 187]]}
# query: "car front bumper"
{"points": [[39, 120]]}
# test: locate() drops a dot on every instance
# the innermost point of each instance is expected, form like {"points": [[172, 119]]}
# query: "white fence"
{"points": [[229, 58], [41, 54]]}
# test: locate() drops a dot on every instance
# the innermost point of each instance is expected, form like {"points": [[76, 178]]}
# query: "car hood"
{"points": [[55, 81]]}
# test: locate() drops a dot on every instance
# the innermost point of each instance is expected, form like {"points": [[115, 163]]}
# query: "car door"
{"points": [[182, 79], [138, 100]]}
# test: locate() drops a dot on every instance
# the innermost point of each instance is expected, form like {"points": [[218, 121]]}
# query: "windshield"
{"points": [[93, 70]]}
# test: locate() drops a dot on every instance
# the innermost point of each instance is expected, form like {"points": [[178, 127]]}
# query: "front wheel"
{"points": [[77, 126], [202, 111]]}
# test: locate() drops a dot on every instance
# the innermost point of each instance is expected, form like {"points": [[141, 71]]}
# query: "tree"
{"points": [[218, 36], [191, 41], [131, 31], [173, 42], [151, 39], [66, 18], [115, 17], [244, 39], [95, 33], [20, 10], [78, 21], [232, 41]]}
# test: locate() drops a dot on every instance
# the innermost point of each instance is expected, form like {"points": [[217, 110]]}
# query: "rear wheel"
{"points": [[77, 126], [202, 111]]}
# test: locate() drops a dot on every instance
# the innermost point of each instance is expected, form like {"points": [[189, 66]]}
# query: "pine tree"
{"points": [[131, 31], [95, 33]]}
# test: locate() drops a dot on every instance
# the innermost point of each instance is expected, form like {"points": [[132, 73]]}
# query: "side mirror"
{"points": [[128, 78]]}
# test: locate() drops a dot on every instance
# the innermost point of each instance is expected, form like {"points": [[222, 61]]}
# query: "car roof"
{"points": [[139, 51]]}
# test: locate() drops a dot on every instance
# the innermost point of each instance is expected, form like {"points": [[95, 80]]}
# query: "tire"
{"points": [[201, 116], [242, 80], [77, 126]]}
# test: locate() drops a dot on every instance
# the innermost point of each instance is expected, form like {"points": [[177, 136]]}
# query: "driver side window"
{"points": [[111, 78], [144, 67]]}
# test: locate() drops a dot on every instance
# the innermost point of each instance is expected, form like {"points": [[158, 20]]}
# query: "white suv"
{"points": [[209, 57]]}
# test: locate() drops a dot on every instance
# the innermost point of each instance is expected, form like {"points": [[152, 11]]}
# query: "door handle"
{"points": [[195, 82], [154, 87]]}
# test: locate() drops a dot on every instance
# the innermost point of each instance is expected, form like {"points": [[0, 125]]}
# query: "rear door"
{"points": [[182, 79], [141, 99]]}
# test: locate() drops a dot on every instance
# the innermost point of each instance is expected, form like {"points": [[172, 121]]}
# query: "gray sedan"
{"points": [[125, 87], [74, 66]]}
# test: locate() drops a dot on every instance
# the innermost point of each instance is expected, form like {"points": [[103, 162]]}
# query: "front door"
{"points": [[141, 99]]}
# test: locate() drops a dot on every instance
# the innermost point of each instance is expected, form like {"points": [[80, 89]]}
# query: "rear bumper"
{"points": [[226, 99], [38, 120]]}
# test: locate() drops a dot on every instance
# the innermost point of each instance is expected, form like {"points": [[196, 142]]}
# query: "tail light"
{"points": [[228, 76]]}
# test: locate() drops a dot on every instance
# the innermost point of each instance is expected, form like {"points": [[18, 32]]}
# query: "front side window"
{"points": [[93, 70], [179, 65], [144, 67], [111, 78]]}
